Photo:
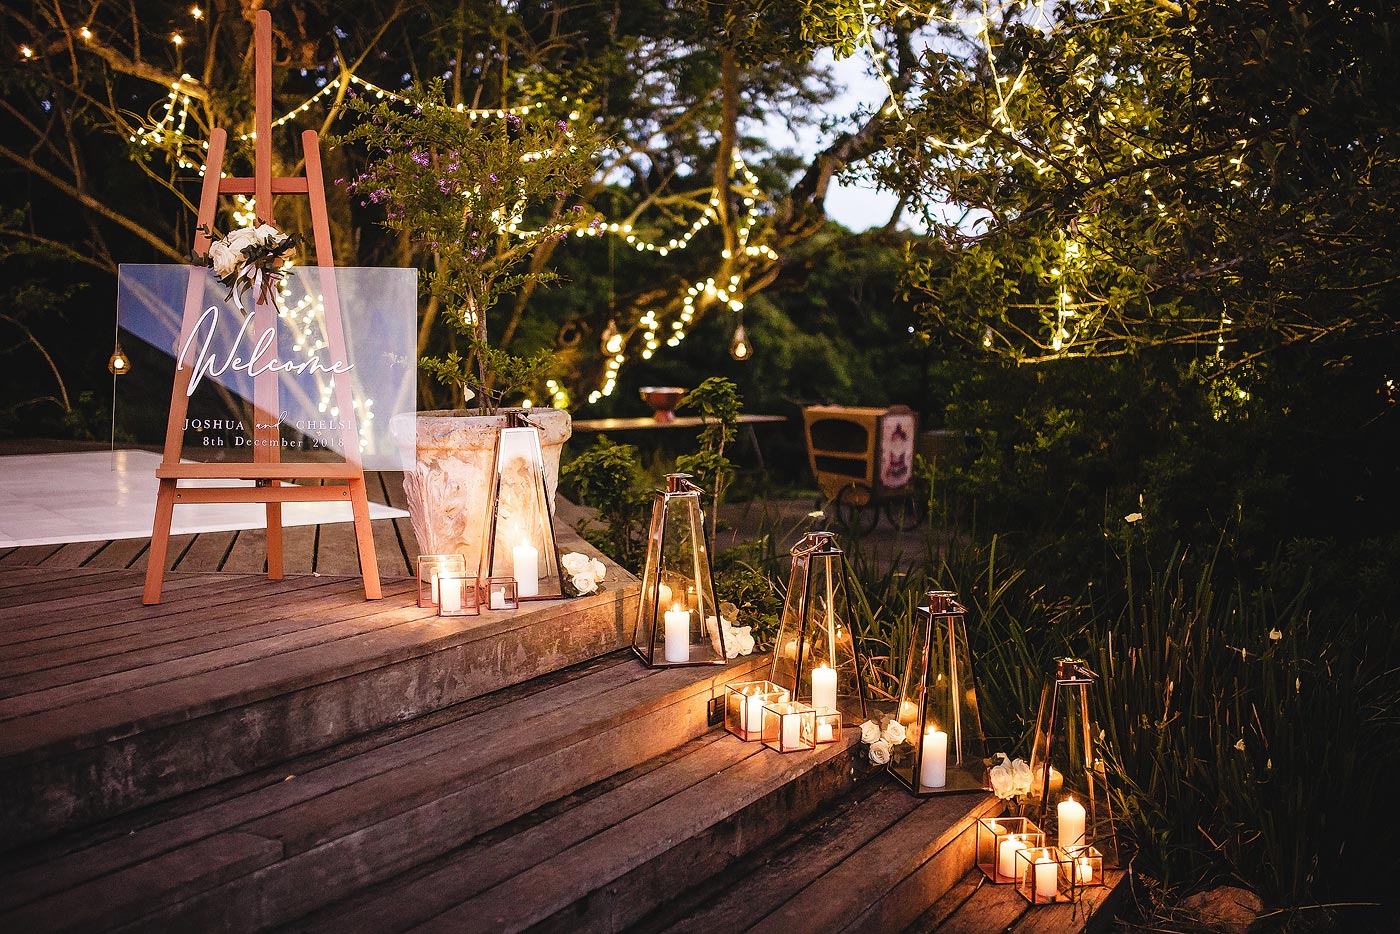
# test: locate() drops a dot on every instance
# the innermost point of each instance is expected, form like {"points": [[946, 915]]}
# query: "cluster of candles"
{"points": [[444, 583], [763, 711], [1016, 853]]}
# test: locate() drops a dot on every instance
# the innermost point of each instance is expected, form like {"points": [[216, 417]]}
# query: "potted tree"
{"points": [[474, 193]]}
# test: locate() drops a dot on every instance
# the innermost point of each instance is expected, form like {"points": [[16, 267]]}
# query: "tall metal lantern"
{"points": [[1069, 792], [815, 654], [678, 620], [943, 746], [519, 539]]}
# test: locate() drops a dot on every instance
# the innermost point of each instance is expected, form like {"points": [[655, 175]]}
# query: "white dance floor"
{"points": [[48, 499]]}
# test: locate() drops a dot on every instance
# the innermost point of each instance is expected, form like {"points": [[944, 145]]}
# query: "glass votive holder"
{"points": [[501, 593], [429, 569], [789, 726], [1088, 865], [743, 707], [457, 595], [1045, 875], [828, 725], [999, 839]]}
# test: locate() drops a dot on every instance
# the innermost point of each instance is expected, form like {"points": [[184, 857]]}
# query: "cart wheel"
{"points": [[855, 512], [907, 513]]}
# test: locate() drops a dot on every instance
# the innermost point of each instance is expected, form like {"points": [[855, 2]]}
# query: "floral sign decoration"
{"points": [[248, 259]]}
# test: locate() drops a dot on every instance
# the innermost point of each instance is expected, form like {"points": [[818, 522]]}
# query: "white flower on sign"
{"points": [[879, 752], [869, 731], [223, 259]]}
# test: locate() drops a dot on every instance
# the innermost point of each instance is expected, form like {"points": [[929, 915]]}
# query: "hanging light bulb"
{"points": [[119, 364], [612, 337], [739, 346]]}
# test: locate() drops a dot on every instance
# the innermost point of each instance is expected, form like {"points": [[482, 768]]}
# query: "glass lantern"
{"points": [[743, 707], [1046, 875], [430, 567], [789, 726], [499, 593], [678, 619], [815, 654], [520, 530], [457, 594], [1069, 791], [998, 841], [943, 746]]}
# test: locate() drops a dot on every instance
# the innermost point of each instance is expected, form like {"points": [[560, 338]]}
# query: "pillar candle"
{"points": [[663, 594], [1083, 871], [1006, 856], [1071, 823], [753, 712], [449, 594], [1046, 881], [527, 570], [498, 598], [677, 634], [792, 731], [824, 733], [434, 597], [933, 773], [824, 687]]}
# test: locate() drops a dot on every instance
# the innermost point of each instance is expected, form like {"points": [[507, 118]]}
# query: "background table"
{"points": [[647, 423]]}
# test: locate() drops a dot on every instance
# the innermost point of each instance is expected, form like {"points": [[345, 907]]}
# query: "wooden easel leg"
{"points": [[160, 542], [364, 538], [274, 539]]}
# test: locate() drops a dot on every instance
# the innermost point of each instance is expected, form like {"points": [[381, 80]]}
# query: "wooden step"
{"points": [[975, 906], [874, 863], [278, 848], [106, 705], [608, 857]]}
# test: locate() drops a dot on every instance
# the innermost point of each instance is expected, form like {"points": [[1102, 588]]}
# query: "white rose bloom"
{"points": [[225, 261], [599, 569], [746, 643], [585, 583], [575, 563], [1001, 780], [240, 239], [268, 235], [869, 731], [1020, 777], [894, 733], [879, 752]]}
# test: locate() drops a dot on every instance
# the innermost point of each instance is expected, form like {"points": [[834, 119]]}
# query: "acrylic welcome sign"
{"points": [[226, 349]]}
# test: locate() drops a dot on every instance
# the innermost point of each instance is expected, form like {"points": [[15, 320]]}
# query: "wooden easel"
{"points": [[266, 470]]}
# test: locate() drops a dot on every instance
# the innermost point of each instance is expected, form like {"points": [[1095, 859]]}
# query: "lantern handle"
{"points": [[814, 542], [680, 483], [942, 603]]}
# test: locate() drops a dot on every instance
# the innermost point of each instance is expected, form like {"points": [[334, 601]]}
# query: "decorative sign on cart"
{"points": [[226, 350]]}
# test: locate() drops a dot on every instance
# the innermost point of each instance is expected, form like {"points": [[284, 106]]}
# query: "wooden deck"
{"points": [[310, 549]]}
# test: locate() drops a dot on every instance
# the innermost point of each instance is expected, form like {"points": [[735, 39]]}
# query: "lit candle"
{"points": [[753, 713], [450, 594], [792, 731], [663, 594], [824, 734], [824, 687], [498, 598], [677, 634], [1071, 823], [1046, 881], [1006, 856], [1083, 871], [434, 598], [908, 710], [527, 570], [934, 771]]}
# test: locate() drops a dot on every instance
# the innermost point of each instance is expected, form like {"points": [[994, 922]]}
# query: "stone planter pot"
{"points": [[449, 485]]}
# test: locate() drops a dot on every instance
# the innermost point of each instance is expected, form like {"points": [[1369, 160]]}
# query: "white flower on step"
{"points": [[879, 752], [575, 563], [585, 583], [894, 732], [869, 732]]}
